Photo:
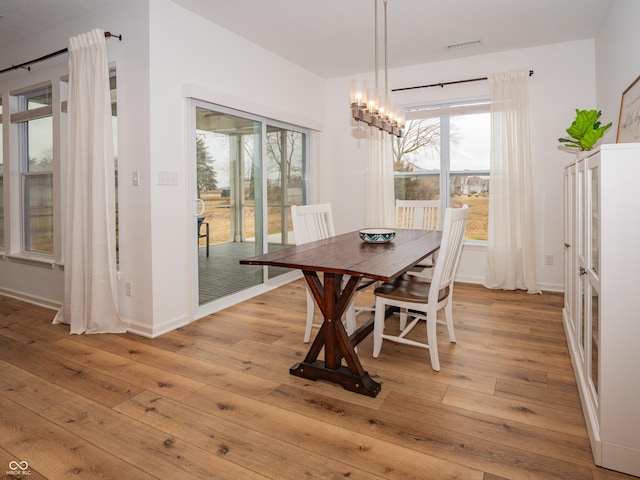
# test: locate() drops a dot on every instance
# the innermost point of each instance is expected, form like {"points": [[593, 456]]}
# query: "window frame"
{"points": [[444, 111], [16, 165], [21, 119]]}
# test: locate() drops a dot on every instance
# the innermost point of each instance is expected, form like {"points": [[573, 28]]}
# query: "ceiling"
{"points": [[22, 19], [333, 38]]}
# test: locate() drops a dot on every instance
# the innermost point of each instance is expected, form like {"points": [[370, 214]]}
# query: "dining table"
{"points": [[344, 261]]}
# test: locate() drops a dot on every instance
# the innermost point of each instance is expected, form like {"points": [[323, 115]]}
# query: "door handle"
{"points": [[200, 208]]}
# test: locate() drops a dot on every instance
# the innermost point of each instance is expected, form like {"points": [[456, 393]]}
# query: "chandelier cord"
{"points": [[375, 40], [386, 55]]}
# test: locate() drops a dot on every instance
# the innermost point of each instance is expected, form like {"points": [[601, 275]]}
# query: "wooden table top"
{"points": [[348, 254]]}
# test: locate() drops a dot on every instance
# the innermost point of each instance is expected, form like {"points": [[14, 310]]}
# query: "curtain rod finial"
{"points": [[109, 34]]}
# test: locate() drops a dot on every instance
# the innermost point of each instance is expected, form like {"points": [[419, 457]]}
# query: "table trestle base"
{"points": [[362, 384], [333, 298]]}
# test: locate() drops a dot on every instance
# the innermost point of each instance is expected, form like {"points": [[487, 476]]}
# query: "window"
{"points": [[444, 155], [35, 197], [35, 134], [285, 149]]}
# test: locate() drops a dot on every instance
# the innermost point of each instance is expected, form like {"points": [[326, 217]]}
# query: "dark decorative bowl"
{"points": [[377, 235]]}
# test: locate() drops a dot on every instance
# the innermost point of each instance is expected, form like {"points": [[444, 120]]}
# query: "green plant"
{"points": [[585, 130]]}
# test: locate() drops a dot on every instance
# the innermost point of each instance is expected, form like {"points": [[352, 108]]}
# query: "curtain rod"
{"points": [[442, 84], [26, 66]]}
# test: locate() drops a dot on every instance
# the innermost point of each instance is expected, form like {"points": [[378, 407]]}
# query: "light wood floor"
{"points": [[215, 399]]}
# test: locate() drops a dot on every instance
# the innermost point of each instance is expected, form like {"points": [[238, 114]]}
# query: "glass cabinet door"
{"points": [[594, 211], [580, 267], [592, 277], [569, 245], [595, 338]]}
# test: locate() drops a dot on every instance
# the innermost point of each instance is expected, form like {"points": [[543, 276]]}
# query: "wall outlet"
{"points": [[127, 289], [548, 259], [167, 178]]}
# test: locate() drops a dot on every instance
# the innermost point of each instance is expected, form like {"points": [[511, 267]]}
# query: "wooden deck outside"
{"points": [[220, 274]]}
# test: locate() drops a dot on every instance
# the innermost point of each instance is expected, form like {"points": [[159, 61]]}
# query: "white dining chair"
{"points": [[419, 297], [311, 223], [420, 215]]}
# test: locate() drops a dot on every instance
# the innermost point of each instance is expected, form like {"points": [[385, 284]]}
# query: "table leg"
{"points": [[333, 302]]}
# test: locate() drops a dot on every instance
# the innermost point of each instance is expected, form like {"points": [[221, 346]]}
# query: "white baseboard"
{"points": [[33, 299], [545, 287], [469, 279], [552, 287], [156, 330]]}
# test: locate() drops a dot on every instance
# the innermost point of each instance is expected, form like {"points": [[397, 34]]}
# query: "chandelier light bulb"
{"points": [[358, 93], [373, 107]]}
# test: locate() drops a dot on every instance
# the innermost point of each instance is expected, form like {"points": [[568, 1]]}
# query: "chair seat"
{"points": [[408, 288], [365, 283]]}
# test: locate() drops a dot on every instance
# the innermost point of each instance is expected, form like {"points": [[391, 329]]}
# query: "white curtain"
{"points": [[511, 244], [379, 174], [90, 304]]}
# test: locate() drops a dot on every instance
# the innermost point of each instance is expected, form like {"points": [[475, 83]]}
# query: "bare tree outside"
{"points": [[284, 146], [420, 135], [43, 163]]}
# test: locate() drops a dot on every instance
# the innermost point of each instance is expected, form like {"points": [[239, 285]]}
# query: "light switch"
{"points": [[135, 178]]}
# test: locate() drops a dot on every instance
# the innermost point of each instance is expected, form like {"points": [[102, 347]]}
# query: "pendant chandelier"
{"points": [[373, 107]]}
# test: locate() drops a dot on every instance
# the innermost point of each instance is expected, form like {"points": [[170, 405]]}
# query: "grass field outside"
{"points": [[478, 220], [218, 215]]}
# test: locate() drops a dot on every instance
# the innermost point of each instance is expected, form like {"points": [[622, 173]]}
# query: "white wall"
{"points": [[563, 81], [617, 59], [192, 57]]}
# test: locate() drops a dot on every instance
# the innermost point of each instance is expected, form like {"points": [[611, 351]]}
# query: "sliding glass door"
{"points": [[249, 171], [285, 162]]}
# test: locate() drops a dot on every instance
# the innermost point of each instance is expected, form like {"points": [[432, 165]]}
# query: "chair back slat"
{"points": [[312, 222], [418, 214], [455, 222]]}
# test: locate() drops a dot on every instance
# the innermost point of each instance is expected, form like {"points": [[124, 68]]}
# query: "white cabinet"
{"points": [[602, 298]]}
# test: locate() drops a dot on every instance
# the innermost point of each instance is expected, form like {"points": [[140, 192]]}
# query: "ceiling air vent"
{"points": [[458, 46]]}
